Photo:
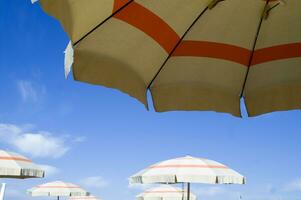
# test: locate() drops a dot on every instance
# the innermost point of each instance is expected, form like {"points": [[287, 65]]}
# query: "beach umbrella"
{"points": [[84, 198], [13, 165], [57, 189], [191, 55], [188, 170], [166, 192]]}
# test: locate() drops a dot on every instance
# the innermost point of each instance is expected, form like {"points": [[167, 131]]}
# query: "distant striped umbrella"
{"points": [[13, 165], [84, 198], [166, 192], [57, 189], [188, 170], [190, 54]]}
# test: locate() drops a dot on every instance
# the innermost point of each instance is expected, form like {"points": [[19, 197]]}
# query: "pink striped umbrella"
{"points": [[57, 188], [188, 170], [165, 192], [13, 165]]}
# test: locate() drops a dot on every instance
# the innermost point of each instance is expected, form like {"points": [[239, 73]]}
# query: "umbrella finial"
{"points": [[213, 3], [268, 8]]}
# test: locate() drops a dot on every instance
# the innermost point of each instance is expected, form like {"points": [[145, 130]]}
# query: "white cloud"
{"points": [[30, 91], [9, 131], [94, 182], [49, 170], [293, 186], [38, 144], [79, 139]]}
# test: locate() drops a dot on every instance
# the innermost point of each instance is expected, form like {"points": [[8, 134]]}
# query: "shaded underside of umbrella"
{"points": [[57, 188], [84, 198], [165, 193], [188, 170], [13, 165], [191, 55]]}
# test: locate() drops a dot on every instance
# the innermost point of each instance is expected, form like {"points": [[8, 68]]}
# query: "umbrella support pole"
{"points": [[188, 191], [2, 191]]}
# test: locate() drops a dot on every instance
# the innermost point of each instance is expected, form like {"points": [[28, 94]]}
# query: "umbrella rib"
{"points": [[101, 23], [253, 49], [179, 42]]}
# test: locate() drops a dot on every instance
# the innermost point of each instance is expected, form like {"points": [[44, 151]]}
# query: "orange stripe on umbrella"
{"points": [[41, 186], [14, 158], [148, 22], [278, 52], [214, 50]]}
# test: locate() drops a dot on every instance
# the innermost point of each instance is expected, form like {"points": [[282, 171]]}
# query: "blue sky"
{"points": [[98, 137]]}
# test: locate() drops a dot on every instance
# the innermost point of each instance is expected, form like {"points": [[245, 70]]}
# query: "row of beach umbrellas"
{"points": [[16, 166], [186, 169]]}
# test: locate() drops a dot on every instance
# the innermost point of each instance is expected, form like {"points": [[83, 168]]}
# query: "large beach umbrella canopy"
{"points": [[57, 189], [191, 55], [84, 198], [13, 165], [166, 192], [188, 170]]}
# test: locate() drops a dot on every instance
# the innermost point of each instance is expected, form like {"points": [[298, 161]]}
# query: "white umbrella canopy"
{"points": [[57, 189], [165, 192], [188, 170], [13, 165], [84, 198]]}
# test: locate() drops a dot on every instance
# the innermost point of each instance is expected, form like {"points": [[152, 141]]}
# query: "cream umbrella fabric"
{"points": [[84, 198], [191, 55], [166, 192], [13, 165], [57, 189], [188, 170]]}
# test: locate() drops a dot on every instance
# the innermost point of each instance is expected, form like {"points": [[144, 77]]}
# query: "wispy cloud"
{"points": [[41, 144], [79, 139], [94, 182], [34, 143], [293, 186], [29, 91]]}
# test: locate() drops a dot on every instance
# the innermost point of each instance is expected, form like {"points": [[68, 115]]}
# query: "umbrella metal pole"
{"points": [[2, 191], [188, 191]]}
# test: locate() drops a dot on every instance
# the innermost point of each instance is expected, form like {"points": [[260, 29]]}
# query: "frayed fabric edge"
{"points": [[69, 52]]}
